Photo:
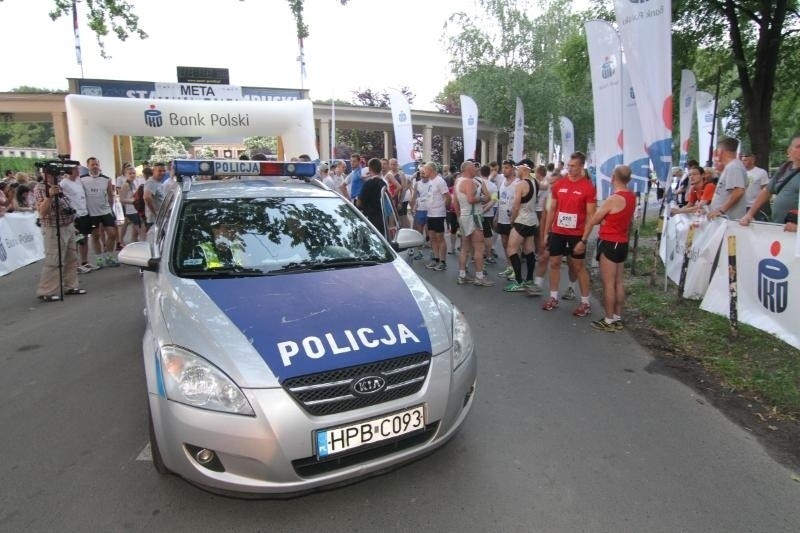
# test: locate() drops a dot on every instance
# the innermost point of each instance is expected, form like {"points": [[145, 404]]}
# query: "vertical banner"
{"points": [[77, 35], [705, 123], [634, 153], [605, 67], [567, 137], [688, 95], [550, 143], [403, 133], [646, 33], [469, 124], [519, 131], [768, 296]]}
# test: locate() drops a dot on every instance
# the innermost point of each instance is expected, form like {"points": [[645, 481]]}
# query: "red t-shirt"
{"points": [[571, 199], [615, 226], [707, 195]]}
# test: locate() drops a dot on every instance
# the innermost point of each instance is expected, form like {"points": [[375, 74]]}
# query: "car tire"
{"points": [[155, 453]]}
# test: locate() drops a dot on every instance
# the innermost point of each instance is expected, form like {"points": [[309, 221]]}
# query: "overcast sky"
{"points": [[373, 44]]}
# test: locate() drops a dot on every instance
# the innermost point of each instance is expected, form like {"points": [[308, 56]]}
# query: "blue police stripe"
{"points": [[317, 321]]}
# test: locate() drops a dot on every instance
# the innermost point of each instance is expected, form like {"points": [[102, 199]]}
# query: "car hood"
{"points": [[263, 330]]}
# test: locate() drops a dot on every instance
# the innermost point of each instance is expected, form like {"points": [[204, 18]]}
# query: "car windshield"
{"points": [[270, 236]]}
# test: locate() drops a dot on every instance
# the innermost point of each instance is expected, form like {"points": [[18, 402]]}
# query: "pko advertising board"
{"points": [[180, 91]]}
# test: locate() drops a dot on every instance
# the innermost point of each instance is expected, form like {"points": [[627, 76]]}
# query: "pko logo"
{"points": [[152, 117], [402, 116], [773, 282], [471, 121], [609, 67]]}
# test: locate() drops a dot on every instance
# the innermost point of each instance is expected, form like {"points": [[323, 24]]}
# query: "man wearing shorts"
{"points": [[525, 225], [614, 217], [421, 191], [489, 207], [469, 189], [573, 202], [73, 189], [126, 192], [99, 190], [502, 220], [438, 200]]}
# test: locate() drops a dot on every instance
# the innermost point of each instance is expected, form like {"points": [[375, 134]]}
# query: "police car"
{"points": [[288, 346]]}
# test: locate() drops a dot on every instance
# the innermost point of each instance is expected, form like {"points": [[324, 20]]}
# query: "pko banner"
{"points": [[519, 131], [688, 94], [567, 138], [403, 133], [707, 237], [768, 294], [469, 124], [181, 91], [21, 241]]}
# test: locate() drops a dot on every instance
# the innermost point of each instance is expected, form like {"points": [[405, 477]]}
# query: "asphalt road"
{"points": [[569, 432]]}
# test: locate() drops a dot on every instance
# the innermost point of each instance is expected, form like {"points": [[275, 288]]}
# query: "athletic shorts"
{"points": [[106, 220], [134, 218], [616, 252], [436, 224], [421, 218], [487, 226], [452, 222], [563, 245], [503, 229], [83, 225], [402, 209], [526, 231]]}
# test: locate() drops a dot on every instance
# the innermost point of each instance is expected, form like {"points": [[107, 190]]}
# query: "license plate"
{"points": [[346, 438]]}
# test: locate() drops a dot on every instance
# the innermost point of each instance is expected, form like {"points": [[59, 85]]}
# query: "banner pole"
{"points": [[711, 146], [635, 252], [687, 254], [732, 286]]}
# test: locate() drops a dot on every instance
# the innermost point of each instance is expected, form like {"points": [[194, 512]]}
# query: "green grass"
{"points": [[752, 362]]}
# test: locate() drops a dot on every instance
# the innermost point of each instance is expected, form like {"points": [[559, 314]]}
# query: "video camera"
{"points": [[56, 167]]}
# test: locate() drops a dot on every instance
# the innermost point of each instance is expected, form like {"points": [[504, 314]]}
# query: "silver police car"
{"points": [[288, 347]]}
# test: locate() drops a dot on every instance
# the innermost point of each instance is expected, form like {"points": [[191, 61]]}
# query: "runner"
{"points": [[469, 190], [502, 218], [525, 224]]}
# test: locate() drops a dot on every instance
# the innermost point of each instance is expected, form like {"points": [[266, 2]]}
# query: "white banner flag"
{"points": [[688, 94], [768, 296], [605, 66], [21, 242], [634, 153], [646, 33], [707, 239], [519, 131], [403, 132], [567, 137], [705, 123], [469, 124]]}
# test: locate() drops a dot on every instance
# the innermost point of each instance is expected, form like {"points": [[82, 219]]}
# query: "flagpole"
{"points": [[711, 146], [77, 35]]}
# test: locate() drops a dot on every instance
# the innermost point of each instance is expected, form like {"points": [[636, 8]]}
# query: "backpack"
{"points": [[138, 199]]}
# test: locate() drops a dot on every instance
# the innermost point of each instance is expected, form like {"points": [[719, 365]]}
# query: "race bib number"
{"points": [[567, 220]]}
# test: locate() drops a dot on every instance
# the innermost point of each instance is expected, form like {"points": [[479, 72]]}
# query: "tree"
{"points": [[261, 145], [165, 149]]}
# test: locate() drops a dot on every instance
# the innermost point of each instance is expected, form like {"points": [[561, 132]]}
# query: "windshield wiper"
{"points": [[339, 262], [232, 271]]}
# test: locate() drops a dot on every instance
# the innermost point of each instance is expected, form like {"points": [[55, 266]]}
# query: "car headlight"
{"points": [[191, 380], [463, 345]]}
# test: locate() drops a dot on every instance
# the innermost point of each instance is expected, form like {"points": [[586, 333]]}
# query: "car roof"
{"points": [[258, 188]]}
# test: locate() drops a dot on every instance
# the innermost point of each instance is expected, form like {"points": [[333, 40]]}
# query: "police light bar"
{"points": [[226, 167]]}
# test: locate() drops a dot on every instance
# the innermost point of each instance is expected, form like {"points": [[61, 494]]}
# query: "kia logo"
{"points": [[369, 385]]}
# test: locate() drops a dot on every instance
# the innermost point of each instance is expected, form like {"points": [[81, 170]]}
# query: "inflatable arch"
{"points": [[94, 120]]}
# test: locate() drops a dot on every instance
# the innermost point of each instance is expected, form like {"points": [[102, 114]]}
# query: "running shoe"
{"points": [[418, 255], [527, 283], [84, 269], [583, 309], [514, 287], [483, 282], [440, 267], [550, 304], [533, 290], [602, 325], [432, 264], [99, 262], [505, 273], [462, 280], [490, 260], [569, 295], [618, 324]]}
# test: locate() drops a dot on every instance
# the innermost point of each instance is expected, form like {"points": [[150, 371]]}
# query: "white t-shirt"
{"points": [[505, 200], [757, 178], [423, 189], [436, 201], [97, 200], [126, 194], [77, 195]]}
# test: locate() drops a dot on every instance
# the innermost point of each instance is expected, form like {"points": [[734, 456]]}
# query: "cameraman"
{"points": [[48, 198]]}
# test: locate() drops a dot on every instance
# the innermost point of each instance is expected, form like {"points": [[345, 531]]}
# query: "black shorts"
{"points": [[616, 252], [526, 231], [563, 245], [402, 209], [106, 220], [503, 229], [83, 225], [436, 224], [134, 218], [452, 222], [487, 226]]}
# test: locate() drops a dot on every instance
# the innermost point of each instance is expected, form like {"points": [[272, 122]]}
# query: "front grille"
{"points": [[327, 393], [311, 466]]}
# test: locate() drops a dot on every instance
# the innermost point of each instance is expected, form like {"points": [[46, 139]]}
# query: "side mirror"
{"points": [[406, 238], [138, 254]]}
